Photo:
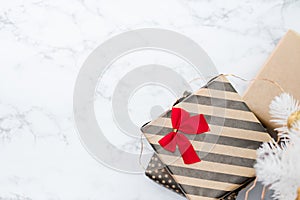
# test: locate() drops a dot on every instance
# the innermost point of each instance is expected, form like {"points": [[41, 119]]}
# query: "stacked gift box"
{"points": [[226, 151]]}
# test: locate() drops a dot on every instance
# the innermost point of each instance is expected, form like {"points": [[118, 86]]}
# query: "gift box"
{"points": [[156, 172], [227, 150], [282, 68], [160, 174]]}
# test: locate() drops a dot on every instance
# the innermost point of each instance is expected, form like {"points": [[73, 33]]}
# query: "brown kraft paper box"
{"points": [[283, 67]]}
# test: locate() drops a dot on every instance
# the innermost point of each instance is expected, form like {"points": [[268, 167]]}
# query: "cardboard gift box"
{"points": [[282, 67], [227, 151]]}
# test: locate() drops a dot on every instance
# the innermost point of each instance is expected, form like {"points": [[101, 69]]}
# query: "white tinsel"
{"points": [[281, 108], [278, 166]]}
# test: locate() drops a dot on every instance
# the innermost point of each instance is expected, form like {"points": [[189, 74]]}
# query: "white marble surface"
{"points": [[43, 45]]}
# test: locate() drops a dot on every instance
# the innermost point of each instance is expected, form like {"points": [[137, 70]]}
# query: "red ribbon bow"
{"points": [[181, 121]]}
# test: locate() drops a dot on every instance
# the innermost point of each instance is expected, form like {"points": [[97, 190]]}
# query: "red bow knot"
{"points": [[181, 121]]}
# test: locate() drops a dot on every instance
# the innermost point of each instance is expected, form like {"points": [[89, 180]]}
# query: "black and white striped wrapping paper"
{"points": [[228, 151]]}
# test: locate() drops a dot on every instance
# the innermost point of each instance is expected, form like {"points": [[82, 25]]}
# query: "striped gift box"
{"points": [[161, 175], [227, 151]]}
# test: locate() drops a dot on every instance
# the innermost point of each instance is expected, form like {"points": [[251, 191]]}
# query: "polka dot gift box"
{"points": [[206, 144]]}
